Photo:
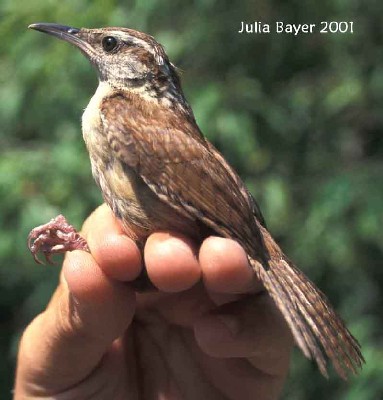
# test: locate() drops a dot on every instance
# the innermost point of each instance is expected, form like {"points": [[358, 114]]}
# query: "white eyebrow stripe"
{"points": [[133, 39], [141, 43]]}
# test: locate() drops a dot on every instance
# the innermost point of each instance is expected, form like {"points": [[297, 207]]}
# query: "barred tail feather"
{"points": [[316, 328]]}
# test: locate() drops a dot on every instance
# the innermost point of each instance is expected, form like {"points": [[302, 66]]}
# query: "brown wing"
{"points": [[186, 172], [168, 151]]}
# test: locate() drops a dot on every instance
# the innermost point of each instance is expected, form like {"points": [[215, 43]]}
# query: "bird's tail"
{"points": [[316, 327]]}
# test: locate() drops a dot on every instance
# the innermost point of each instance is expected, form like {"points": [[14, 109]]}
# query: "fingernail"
{"points": [[232, 323]]}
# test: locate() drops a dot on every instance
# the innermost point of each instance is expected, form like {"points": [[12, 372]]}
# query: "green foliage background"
{"points": [[299, 117]]}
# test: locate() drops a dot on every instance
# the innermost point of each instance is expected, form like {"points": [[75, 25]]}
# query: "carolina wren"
{"points": [[156, 171]]}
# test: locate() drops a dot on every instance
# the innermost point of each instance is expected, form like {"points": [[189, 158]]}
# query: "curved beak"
{"points": [[67, 33]]}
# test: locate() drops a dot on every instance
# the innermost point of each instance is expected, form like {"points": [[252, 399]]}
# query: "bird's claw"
{"points": [[54, 237]]}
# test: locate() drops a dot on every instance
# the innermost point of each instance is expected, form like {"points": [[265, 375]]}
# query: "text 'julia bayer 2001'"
{"points": [[322, 27]]}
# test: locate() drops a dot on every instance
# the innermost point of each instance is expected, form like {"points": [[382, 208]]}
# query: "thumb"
{"points": [[65, 343]]}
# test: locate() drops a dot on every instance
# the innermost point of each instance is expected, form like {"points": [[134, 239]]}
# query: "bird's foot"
{"points": [[57, 236]]}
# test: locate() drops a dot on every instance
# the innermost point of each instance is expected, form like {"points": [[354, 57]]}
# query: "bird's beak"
{"points": [[67, 33]]}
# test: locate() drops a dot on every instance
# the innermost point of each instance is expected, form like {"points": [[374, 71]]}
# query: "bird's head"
{"points": [[125, 58]]}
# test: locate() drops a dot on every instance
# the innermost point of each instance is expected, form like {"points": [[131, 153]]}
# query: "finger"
{"points": [[252, 328], [237, 378], [171, 261], [115, 253], [225, 267], [100, 305], [87, 313]]}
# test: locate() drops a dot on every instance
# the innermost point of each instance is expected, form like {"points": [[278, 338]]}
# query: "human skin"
{"points": [[200, 336]]}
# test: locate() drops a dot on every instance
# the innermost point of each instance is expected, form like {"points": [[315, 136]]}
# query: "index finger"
{"points": [[116, 254]]}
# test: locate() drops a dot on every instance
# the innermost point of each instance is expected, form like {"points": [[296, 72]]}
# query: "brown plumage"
{"points": [[157, 171]]}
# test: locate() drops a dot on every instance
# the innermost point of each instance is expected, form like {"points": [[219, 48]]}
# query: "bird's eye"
{"points": [[109, 43]]}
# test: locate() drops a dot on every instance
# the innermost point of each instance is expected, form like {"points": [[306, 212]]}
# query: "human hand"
{"points": [[210, 332]]}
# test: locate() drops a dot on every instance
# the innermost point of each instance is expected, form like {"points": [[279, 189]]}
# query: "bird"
{"points": [[157, 171]]}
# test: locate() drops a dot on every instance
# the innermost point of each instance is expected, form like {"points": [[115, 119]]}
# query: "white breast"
{"points": [[91, 120]]}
